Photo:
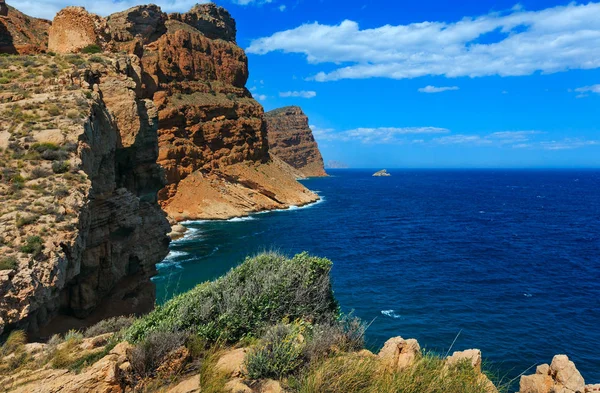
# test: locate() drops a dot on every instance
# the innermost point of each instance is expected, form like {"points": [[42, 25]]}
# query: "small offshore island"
{"points": [[114, 130], [382, 173]]}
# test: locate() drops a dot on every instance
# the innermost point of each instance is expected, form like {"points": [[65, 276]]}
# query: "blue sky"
{"points": [[390, 83]]}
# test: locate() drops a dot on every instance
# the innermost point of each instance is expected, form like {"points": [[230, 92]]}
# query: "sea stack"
{"points": [[382, 173], [291, 139]]}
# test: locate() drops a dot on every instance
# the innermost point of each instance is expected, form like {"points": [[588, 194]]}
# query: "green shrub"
{"points": [[4, 81], [110, 325], [279, 355], [91, 49], [60, 166], [15, 341], [34, 245], [53, 110], [260, 292], [8, 263], [148, 354]]}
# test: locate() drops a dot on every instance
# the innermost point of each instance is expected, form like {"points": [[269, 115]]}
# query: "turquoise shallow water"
{"points": [[507, 260]]}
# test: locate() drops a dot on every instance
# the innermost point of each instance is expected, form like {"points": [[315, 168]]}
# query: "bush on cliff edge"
{"points": [[259, 293]]}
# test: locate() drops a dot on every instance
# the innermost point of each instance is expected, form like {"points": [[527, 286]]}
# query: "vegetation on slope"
{"points": [[281, 310]]}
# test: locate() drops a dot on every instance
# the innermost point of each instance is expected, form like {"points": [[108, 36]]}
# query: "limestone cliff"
{"points": [[212, 135], [94, 145], [291, 139], [20, 33], [80, 223]]}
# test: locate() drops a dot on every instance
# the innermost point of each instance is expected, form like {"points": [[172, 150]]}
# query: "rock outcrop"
{"points": [[382, 173], [163, 108], [212, 135], [81, 227], [291, 139], [21, 34], [561, 376], [3, 8]]}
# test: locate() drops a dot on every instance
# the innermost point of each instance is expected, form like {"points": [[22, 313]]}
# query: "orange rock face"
{"points": [[21, 34], [210, 129], [73, 29], [291, 139]]}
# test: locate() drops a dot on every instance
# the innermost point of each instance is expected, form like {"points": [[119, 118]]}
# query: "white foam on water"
{"points": [[391, 314], [175, 254], [241, 219], [527, 295]]}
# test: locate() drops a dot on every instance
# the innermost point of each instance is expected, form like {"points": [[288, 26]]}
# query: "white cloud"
{"points": [[494, 139], [375, 135], [551, 40], [567, 144], [282, 7], [298, 94], [587, 89], [434, 89], [260, 97], [48, 8]]}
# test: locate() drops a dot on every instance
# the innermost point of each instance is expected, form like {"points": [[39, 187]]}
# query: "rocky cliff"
{"points": [[95, 144], [80, 223], [212, 135], [291, 139], [20, 33]]}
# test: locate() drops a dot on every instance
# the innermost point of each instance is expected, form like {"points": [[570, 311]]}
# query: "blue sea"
{"points": [[507, 261]]}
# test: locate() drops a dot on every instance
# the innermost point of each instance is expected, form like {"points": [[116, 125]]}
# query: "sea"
{"points": [[507, 261]]}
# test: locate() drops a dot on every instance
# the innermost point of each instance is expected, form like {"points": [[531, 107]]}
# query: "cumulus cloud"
{"points": [[550, 40], [434, 89], [260, 97], [374, 135], [48, 8], [298, 94]]}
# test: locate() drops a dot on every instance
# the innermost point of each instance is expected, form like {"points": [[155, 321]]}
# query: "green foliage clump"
{"points": [[279, 355], [110, 325], [260, 292], [15, 341], [8, 263], [34, 245], [60, 166], [91, 49]]}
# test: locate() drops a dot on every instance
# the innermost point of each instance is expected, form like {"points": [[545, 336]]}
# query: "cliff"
{"points": [[80, 223], [291, 139], [95, 144], [21, 34], [212, 137]]}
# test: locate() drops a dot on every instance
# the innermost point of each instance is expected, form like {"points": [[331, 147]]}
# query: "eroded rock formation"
{"points": [[21, 34], [291, 139], [95, 232], [561, 376]]}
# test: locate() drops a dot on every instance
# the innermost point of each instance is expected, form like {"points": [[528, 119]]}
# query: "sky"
{"points": [[422, 84]]}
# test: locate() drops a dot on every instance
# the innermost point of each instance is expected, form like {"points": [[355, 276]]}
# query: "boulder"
{"points": [[536, 383], [567, 377], [473, 356], [399, 353], [188, 385], [592, 388], [561, 376], [232, 363], [271, 386], [237, 385], [3, 8]]}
